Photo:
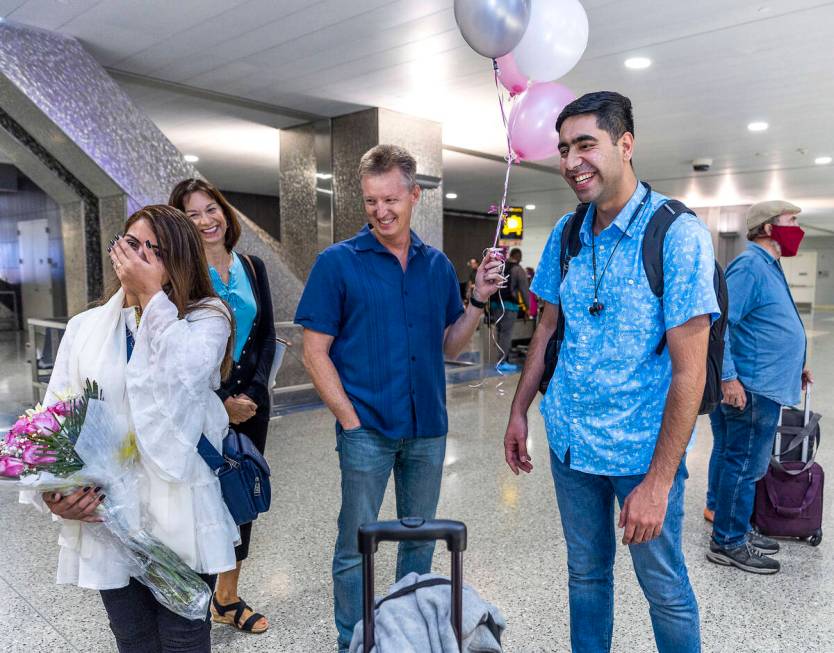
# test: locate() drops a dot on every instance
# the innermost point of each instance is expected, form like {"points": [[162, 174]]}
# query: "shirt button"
{"points": [[575, 394], [414, 358], [579, 367], [575, 420], [405, 292], [631, 282], [602, 248], [237, 367]]}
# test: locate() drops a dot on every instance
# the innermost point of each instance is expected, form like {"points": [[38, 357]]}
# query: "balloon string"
{"points": [[510, 155], [501, 215]]}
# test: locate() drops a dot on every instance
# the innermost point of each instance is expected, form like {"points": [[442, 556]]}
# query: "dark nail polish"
{"points": [[118, 237], [108, 249], [98, 489], [102, 497], [86, 489]]}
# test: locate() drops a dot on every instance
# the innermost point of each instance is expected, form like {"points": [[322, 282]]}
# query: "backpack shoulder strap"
{"points": [[653, 239], [570, 243]]}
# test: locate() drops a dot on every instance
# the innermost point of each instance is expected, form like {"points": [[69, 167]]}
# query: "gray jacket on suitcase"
{"points": [[419, 622]]}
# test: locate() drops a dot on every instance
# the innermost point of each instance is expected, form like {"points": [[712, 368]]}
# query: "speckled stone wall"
{"points": [[355, 134], [70, 107], [297, 195]]}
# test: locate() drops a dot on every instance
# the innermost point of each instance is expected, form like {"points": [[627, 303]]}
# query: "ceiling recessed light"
{"points": [[451, 196], [757, 126], [638, 63], [530, 207], [191, 158], [822, 160]]}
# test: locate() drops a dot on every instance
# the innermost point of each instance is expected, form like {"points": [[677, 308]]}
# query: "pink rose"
{"points": [[45, 423], [61, 408], [35, 454], [10, 466], [22, 426]]}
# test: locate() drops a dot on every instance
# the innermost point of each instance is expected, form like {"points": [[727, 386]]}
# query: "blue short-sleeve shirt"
{"points": [[388, 328], [606, 399]]}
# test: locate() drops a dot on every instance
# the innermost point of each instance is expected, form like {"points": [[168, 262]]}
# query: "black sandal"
{"points": [[218, 615]]}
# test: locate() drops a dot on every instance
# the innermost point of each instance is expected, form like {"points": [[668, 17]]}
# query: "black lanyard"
{"points": [[597, 307]]}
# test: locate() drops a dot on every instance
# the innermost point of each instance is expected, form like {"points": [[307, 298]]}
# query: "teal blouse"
{"points": [[239, 296]]}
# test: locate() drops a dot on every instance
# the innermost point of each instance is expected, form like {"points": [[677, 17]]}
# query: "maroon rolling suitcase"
{"points": [[790, 496]]}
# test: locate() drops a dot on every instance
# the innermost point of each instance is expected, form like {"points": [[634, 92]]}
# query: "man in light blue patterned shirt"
{"points": [[619, 416]]}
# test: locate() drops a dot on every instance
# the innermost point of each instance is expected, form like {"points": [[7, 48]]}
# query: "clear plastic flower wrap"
{"points": [[82, 442]]}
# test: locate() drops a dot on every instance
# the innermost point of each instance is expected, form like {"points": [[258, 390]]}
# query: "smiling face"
{"points": [[594, 167], [389, 203], [136, 235], [208, 217]]}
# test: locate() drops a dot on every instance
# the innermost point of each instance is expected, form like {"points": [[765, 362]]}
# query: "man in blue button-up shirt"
{"points": [[380, 312], [764, 357], [618, 415]]}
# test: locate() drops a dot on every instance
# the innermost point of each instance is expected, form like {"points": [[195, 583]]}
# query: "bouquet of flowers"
{"points": [[77, 442]]}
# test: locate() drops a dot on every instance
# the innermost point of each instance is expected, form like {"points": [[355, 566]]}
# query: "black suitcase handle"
{"points": [[409, 529]]}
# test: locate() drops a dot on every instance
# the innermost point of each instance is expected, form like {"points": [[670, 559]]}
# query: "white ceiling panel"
{"points": [[717, 66]]}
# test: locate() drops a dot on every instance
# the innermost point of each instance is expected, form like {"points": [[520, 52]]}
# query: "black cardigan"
{"points": [[249, 375]]}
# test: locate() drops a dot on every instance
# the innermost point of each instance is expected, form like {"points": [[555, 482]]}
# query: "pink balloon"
{"points": [[510, 76], [532, 122]]}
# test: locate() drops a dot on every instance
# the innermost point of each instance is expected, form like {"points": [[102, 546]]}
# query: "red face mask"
{"points": [[788, 238]]}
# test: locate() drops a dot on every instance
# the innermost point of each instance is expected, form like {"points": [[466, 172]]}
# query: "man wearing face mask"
{"points": [[764, 359]]}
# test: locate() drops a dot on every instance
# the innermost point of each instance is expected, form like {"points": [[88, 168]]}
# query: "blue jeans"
{"points": [[366, 459], [716, 419], [747, 437], [586, 505]]}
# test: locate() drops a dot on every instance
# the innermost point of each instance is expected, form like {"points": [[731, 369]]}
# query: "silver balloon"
{"points": [[492, 28]]}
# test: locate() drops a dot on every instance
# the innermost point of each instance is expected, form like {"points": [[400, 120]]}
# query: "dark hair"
{"points": [[515, 253], [613, 112], [181, 252], [383, 158], [187, 186]]}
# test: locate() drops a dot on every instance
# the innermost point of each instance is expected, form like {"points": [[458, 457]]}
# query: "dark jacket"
{"points": [[249, 375]]}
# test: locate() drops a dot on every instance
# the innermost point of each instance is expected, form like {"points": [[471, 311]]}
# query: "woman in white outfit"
{"points": [[168, 314]]}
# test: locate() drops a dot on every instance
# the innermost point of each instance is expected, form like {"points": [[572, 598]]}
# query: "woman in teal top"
{"points": [[241, 281]]}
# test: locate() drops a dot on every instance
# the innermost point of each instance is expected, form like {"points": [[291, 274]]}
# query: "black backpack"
{"points": [[653, 239]]}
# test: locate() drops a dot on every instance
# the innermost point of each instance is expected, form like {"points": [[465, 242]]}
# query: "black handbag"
{"points": [[243, 473]]}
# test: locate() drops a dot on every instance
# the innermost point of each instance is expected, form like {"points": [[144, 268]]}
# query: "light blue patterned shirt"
{"points": [[606, 399]]}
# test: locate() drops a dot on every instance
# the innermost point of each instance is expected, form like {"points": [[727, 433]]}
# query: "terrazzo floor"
{"points": [[516, 555]]}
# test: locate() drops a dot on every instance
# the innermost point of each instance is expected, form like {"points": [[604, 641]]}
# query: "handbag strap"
{"points": [[214, 459], [251, 266], [801, 434]]}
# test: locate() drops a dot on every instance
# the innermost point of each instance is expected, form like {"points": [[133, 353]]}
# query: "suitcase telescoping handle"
{"points": [[410, 529]]}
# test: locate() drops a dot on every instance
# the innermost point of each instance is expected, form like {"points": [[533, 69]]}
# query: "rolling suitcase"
{"points": [[789, 496], [410, 528]]}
